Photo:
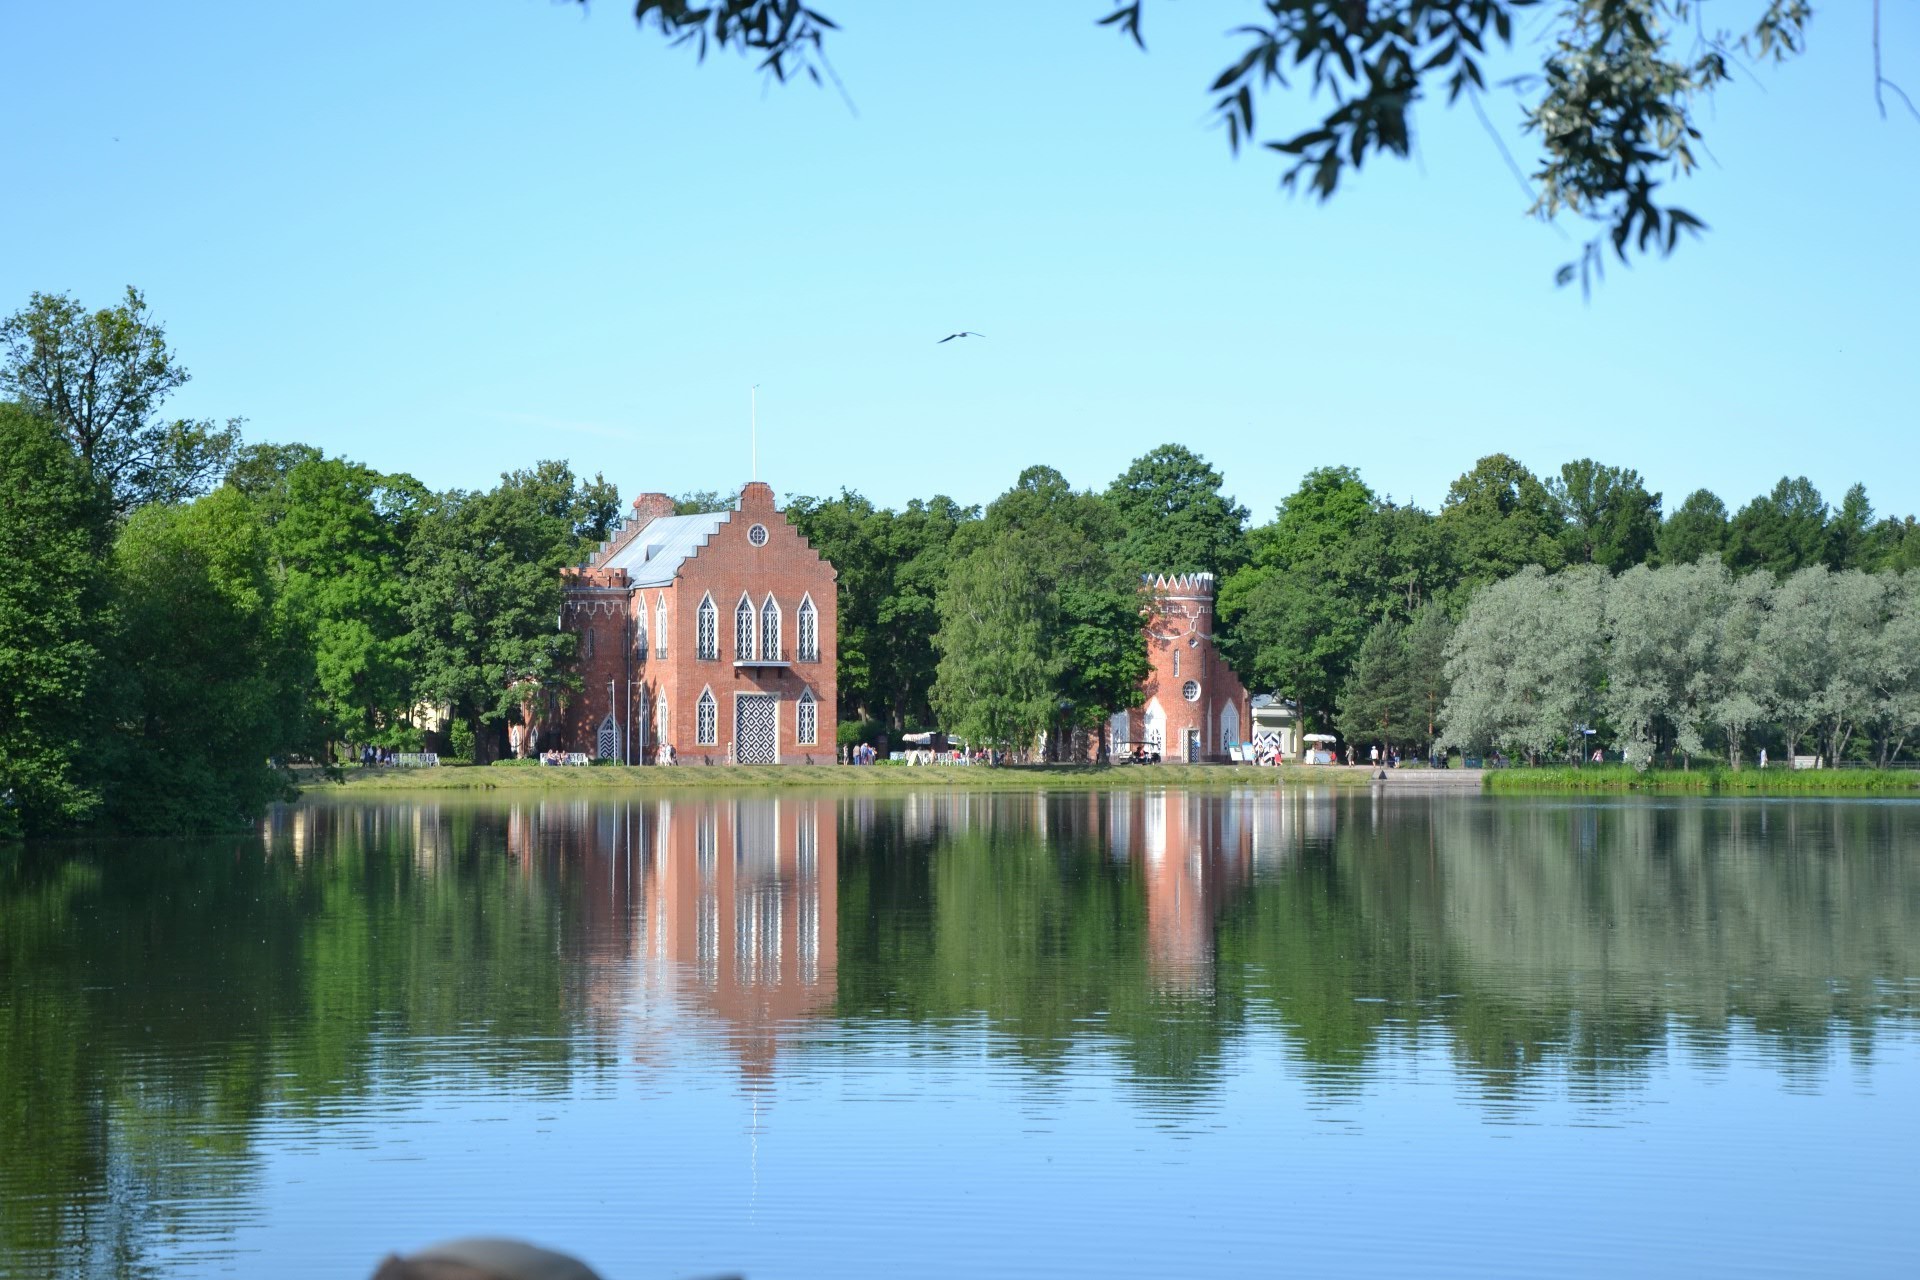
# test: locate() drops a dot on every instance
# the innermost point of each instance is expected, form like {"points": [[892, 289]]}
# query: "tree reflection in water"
{"points": [[162, 1001]]}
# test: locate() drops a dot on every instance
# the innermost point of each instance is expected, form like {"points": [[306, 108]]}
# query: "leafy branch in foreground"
{"points": [[1614, 112]]}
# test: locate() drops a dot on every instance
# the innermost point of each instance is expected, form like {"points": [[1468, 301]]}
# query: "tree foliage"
{"points": [[209, 687], [1174, 518], [1613, 102], [1690, 658], [54, 522], [103, 376], [485, 590]]}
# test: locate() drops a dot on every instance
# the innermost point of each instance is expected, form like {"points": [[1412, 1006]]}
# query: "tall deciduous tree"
{"points": [[103, 377], [485, 590], [891, 565], [53, 541], [999, 661], [1608, 517], [338, 533], [1174, 517], [209, 689], [1500, 518]]}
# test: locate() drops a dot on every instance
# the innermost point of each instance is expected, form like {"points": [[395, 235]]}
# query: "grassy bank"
{"points": [[519, 777], [1706, 781]]}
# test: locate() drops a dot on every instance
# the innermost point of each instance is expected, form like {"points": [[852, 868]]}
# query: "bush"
{"points": [[461, 737]]}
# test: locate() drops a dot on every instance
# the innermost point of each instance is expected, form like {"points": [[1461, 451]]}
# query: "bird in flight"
{"points": [[964, 333]]}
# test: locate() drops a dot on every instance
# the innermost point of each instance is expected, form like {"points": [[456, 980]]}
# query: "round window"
{"points": [[1190, 691], [757, 535]]}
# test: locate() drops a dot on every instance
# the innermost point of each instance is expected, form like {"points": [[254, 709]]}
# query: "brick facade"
{"points": [[645, 672], [1195, 708]]}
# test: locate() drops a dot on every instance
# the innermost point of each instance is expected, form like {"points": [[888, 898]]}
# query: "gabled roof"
{"points": [[654, 555]]}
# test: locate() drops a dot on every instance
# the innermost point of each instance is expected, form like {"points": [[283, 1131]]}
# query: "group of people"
{"points": [[371, 756], [1375, 758], [861, 753]]}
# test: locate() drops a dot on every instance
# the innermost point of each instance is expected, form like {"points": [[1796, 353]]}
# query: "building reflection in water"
{"points": [[723, 907]]}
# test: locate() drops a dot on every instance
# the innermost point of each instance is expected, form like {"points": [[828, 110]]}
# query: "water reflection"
{"points": [[167, 1005]]}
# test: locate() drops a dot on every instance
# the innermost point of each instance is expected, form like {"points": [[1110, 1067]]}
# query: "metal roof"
{"points": [[655, 554]]}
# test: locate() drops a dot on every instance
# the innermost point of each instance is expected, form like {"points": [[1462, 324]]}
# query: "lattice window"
{"points": [[660, 719], [640, 631], [807, 641], [806, 723], [586, 642], [660, 625], [707, 642], [706, 719], [770, 631], [1176, 664], [744, 624], [641, 719]]}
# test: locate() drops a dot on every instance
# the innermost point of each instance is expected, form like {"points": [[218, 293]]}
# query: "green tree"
{"points": [[1850, 540], [1174, 518], [1067, 537], [1374, 704], [999, 665], [1608, 517], [891, 565], [102, 376], [1613, 103], [1697, 527], [1427, 638], [1782, 532], [1334, 562], [210, 687], [1499, 518], [484, 591], [339, 539], [53, 540]]}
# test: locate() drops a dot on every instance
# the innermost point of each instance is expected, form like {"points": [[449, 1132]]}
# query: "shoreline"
{"points": [[1601, 780], [833, 777]]}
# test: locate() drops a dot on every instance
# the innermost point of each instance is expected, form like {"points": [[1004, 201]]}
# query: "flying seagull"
{"points": [[964, 333]]}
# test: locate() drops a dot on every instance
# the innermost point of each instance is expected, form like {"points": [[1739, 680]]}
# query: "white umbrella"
{"points": [[1321, 737]]}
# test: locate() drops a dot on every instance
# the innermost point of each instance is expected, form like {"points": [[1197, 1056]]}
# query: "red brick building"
{"points": [[715, 634], [1195, 708]]}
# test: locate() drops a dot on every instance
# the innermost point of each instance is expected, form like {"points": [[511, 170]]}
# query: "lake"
{"points": [[1146, 1033]]}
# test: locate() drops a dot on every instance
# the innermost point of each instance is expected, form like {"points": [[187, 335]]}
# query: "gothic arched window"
{"points": [[706, 719], [807, 641], [806, 721], [707, 642], [744, 623], [770, 631]]}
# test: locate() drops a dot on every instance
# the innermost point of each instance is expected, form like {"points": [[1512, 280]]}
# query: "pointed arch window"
{"points": [[660, 719], [745, 621], [770, 630], [707, 641], [807, 637], [586, 641], [806, 720], [640, 631], [706, 719], [642, 717], [660, 625]]}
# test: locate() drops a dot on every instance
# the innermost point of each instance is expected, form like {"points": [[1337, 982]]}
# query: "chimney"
{"points": [[651, 506]]}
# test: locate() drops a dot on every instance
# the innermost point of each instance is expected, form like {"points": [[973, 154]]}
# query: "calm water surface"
{"points": [[1147, 1034]]}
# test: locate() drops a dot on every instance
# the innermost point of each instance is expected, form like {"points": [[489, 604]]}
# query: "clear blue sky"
{"points": [[453, 237]]}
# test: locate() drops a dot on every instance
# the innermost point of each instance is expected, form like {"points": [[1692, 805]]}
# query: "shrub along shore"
{"points": [[1712, 780]]}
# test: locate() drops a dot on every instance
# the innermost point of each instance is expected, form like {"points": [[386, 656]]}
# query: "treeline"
{"points": [[1689, 659], [182, 615], [1344, 601]]}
